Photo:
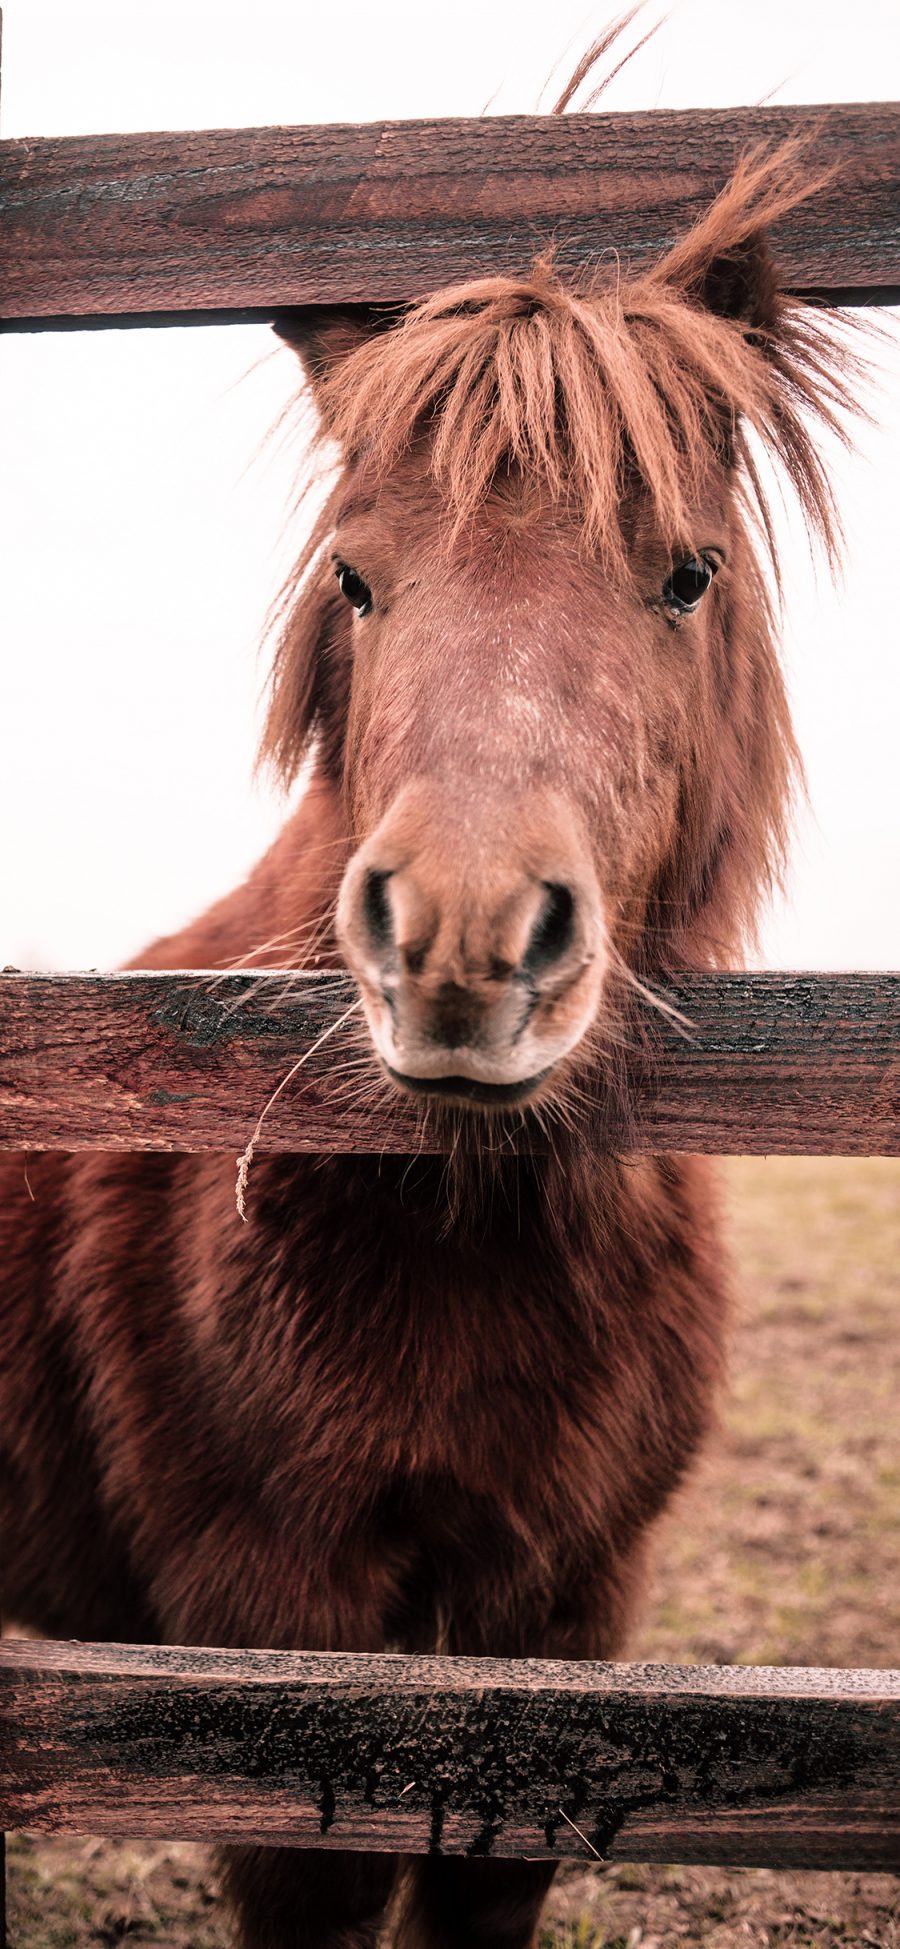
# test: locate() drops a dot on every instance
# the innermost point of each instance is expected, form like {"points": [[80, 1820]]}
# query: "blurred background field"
{"points": [[784, 1549]]}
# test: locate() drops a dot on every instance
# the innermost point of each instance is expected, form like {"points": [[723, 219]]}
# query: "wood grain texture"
{"points": [[766, 1062], [461, 1756], [221, 220]]}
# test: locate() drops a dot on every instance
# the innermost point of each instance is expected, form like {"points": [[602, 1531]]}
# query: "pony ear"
{"points": [[324, 335], [724, 262], [742, 283]]}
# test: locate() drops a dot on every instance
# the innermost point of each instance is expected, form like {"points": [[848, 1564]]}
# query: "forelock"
{"points": [[596, 388]]}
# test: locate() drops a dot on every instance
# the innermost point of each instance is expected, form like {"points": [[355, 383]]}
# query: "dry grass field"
{"points": [[784, 1550]]}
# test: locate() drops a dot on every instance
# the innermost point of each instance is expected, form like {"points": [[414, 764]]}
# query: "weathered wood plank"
{"points": [[162, 224], [767, 1062], [462, 1756]]}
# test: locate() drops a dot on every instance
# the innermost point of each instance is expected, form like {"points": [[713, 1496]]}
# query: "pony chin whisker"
{"points": [[246, 1158]]}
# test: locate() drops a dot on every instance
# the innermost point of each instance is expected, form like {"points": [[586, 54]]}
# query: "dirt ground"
{"points": [[785, 1549]]}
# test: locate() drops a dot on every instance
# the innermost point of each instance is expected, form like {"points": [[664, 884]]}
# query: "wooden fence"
{"points": [[781, 1767]]}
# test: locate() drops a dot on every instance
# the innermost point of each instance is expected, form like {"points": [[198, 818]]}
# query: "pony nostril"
{"points": [[377, 909], [553, 931]]}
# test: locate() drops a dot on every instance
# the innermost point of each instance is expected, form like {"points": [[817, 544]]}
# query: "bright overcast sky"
{"points": [[143, 528]]}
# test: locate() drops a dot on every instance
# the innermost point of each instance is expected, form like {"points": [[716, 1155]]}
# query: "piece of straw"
{"points": [[246, 1158]]}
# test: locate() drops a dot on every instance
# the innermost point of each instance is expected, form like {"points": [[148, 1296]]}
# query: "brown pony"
{"points": [[530, 647]]}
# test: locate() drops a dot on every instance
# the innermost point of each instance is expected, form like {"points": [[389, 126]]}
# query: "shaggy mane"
{"points": [[585, 387]]}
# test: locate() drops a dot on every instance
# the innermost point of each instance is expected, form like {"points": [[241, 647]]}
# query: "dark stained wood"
{"points": [[460, 1756], [765, 1062], [221, 220]]}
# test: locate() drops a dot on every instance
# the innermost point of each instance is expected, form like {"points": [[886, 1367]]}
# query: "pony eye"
{"points": [[351, 585], [687, 585]]}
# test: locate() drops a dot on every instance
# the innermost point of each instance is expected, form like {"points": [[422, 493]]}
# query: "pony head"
{"points": [[532, 636]]}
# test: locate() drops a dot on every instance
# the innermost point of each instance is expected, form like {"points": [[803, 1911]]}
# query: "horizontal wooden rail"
{"points": [[761, 1062], [469, 1756], [152, 227]]}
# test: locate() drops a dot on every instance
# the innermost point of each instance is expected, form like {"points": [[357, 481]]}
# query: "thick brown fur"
{"points": [[381, 1412]]}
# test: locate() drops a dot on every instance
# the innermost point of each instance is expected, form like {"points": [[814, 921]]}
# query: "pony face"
{"points": [[535, 643], [521, 715]]}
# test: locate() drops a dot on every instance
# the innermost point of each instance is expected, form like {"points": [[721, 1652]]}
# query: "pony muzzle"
{"points": [[480, 968]]}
